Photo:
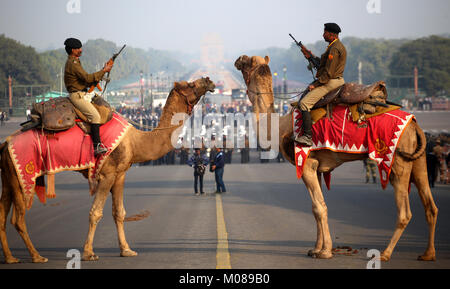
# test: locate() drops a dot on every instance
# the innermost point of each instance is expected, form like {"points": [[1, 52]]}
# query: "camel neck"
{"points": [[158, 142]]}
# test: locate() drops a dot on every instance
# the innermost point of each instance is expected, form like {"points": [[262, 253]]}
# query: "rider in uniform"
{"points": [[77, 82], [330, 75]]}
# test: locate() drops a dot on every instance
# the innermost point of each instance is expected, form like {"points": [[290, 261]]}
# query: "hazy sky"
{"points": [[242, 24]]}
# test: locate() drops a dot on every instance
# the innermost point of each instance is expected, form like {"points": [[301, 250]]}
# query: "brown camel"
{"points": [[137, 146], [411, 164]]}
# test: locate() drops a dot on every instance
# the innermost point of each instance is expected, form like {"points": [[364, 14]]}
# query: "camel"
{"points": [[137, 146], [410, 163]]}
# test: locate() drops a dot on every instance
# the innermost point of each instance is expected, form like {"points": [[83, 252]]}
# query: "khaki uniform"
{"points": [[438, 151], [77, 82], [371, 169], [330, 74]]}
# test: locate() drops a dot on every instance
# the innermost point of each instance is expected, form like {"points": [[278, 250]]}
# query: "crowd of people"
{"points": [[438, 158]]}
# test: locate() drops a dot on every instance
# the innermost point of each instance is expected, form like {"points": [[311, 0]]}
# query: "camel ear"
{"points": [[267, 59], [175, 84]]}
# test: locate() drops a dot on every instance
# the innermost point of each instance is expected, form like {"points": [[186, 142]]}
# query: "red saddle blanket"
{"points": [[378, 136], [36, 153]]}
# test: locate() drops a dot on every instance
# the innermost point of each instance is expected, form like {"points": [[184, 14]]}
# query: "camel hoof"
{"points": [[313, 253], [128, 253], [324, 255], [91, 257], [12, 260], [384, 258], [427, 258], [40, 259]]}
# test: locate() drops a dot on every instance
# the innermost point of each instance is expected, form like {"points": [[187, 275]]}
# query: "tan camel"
{"points": [[137, 146], [410, 165]]}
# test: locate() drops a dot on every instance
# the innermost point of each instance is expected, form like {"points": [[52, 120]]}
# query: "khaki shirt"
{"points": [[332, 62], [76, 78]]}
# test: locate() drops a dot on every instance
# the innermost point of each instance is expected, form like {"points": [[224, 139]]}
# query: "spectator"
{"points": [[218, 166], [199, 162], [438, 151], [371, 170]]}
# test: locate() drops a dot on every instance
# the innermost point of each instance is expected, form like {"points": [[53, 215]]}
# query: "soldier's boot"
{"points": [[99, 148], [367, 180], [374, 180], [306, 138]]}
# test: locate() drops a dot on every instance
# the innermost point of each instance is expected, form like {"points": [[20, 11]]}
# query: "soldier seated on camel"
{"points": [[330, 75], [77, 82]]}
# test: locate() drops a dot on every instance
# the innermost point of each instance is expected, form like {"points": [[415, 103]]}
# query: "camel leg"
{"points": [[95, 215], [119, 213], [400, 181], [319, 240], [431, 211], [324, 244], [19, 223], [5, 207]]}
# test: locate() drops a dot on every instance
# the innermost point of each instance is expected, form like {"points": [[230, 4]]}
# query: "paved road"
{"points": [[267, 215], [267, 221]]}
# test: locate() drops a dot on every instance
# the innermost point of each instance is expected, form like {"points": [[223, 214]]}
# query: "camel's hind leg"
{"points": [[119, 216], [400, 176], [5, 207], [421, 181], [9, 177], [323, 243], [19, 223]]}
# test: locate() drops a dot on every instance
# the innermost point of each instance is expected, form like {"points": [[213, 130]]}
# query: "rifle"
{"points": [[314, 62], [110, 61]]}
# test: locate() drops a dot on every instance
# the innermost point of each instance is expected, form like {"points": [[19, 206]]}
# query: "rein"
{"points": [[189, 110]]}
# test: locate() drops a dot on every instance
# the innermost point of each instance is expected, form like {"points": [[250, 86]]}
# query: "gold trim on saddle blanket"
{"points": [[319, 113]]}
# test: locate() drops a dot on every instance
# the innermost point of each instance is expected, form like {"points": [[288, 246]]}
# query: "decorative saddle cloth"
{"points": [[37, 152], [377, 136], [366, 100]]}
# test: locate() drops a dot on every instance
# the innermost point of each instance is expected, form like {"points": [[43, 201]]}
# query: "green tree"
{"points": [[20, 62], [431, 56]]}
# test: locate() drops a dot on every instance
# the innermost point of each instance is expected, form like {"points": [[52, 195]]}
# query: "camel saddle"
{"points": [[364, 99], [60, 114], [352, 93]]}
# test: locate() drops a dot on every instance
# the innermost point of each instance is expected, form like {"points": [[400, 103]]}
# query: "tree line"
{"points": [[381, 60], [390, 60]]}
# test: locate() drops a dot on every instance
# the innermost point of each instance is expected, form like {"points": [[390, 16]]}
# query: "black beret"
{"points": [[73, 43], [333, 28]]}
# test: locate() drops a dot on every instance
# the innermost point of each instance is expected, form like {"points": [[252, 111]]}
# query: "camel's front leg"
{"points": [[95, 215], [119, 216], [320, 211]]}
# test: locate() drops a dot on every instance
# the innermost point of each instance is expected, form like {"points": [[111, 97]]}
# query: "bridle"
{"points": [[189, 105]]}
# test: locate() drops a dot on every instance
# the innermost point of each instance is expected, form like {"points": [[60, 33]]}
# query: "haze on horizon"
{"points": [[181, 25]]}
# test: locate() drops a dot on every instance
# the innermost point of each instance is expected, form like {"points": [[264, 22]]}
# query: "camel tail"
{"points": [[421, 142]]}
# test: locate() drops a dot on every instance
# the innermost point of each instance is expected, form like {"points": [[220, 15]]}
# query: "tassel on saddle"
{"points": [[43, 193]]}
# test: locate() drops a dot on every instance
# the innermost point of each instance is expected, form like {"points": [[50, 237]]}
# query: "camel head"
{"points": [[193, 91], [258, 78], [246, 64]]}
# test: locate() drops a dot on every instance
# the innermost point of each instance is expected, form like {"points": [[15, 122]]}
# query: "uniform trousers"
{"points": [[309, 100]]}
